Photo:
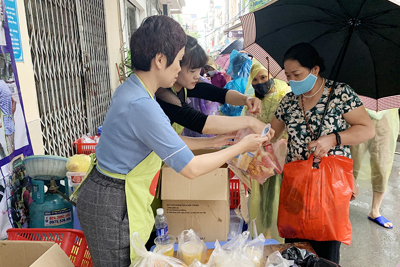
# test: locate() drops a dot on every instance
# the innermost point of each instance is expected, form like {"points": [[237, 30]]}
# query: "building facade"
{"points": [[72, 50]]}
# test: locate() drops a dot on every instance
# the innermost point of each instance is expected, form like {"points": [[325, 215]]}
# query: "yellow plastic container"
{"points": [[191, 251]]}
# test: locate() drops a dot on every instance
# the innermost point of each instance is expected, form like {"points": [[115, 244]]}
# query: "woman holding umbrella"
{"points": [[301, 113]]}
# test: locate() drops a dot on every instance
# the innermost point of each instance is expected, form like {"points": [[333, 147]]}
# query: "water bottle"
{"points": [[99, 130], [161, 225]]}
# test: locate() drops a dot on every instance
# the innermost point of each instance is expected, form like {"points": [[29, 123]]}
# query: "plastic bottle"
{"points": [[99, 130], [161, 225]]}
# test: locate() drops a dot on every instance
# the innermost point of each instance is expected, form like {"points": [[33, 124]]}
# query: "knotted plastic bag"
{"points": [[276, 260], [240, 251], [146, 258], [314, 202], [191, 247], [78, 163]]}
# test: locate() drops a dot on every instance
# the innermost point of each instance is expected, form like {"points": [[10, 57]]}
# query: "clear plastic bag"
{"points": [[237, 242], [78, 163], [240, 251], [276, 260], [88, 139], [197, 263], [266, 162], [146, 258], [243, 160], [223, 258], [192, 222], [255, 249], [191, 247]]}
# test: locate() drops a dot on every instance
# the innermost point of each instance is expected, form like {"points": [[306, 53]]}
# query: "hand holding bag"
{"points": [[314, 203], [314, 197]]}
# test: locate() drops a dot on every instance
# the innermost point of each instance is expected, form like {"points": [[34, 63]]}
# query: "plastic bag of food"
{"points": [[242, 161], [191, 247], [78, 163], [255, 249], [196, 263], [238, 252], [233, 258], [192, 222], [266, 162], [237, 242], [276, 260], [146, 258]]}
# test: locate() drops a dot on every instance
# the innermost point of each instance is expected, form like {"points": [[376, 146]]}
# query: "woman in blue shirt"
{"points": [[114, 200]]}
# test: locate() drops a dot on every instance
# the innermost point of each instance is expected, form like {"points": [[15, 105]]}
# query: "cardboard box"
{"points": [[32, 253], [206, 197]]}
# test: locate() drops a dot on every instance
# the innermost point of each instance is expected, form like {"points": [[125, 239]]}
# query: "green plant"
{"points": [[124, 68], [254, 4]]}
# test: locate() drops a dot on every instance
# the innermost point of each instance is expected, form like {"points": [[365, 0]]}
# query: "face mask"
{"points": [[212, 72], [303, 86], [264, 88]]}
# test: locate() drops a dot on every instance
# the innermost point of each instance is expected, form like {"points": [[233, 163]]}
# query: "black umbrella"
{"points": [[235, 45], [359, 40]]}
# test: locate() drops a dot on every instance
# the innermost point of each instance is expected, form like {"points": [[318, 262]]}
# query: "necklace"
{"points": [[309, 96]]}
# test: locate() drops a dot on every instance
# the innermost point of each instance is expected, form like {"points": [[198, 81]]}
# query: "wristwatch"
{"points": [[338, 139]]}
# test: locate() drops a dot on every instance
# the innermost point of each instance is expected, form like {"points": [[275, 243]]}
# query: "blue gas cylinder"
{"points": [[50, 210]]}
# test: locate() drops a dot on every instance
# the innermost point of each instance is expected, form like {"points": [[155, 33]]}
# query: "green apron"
{"points": [[177, 127], [140, 188]]}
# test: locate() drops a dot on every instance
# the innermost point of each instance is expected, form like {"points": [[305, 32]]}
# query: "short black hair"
{"points": [[306, 55], [157, 34], [195, 57]]}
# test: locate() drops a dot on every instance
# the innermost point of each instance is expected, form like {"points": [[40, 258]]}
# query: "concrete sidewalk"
{"points": [[373, 245]]}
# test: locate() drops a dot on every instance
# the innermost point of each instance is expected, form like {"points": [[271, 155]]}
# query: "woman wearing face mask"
{"points": [[264, 199], [173, 100], [300, 113], [217, 78]]}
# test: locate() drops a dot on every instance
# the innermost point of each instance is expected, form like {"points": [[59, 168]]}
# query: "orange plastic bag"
{"points": [[314, 203]]}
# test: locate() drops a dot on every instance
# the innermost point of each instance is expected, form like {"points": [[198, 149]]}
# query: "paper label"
{"points": [[57, 217]]}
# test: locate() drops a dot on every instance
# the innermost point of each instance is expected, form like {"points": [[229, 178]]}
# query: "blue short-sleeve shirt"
{"points": [[135, 125]]}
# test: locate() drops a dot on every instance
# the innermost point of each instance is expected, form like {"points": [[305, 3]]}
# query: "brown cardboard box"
{"points": [[206, 197], [32, 253]]}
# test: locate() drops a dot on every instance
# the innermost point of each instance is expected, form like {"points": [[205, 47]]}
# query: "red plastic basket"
{"points": [[85, 148], [234, 190], [72, 241]]}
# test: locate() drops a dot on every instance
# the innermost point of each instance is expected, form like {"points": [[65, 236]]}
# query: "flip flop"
{"points": [[381, 221]]}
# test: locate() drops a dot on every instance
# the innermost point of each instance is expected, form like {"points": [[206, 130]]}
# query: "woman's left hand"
{"points": [[222, 140], [254, 105], [323, 145]]}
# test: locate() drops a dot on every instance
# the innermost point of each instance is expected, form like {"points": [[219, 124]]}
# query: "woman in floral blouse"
{"points": [[301, 114]]}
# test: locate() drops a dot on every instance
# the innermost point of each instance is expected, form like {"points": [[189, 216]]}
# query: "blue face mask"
{"points": [[303, 86]]}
